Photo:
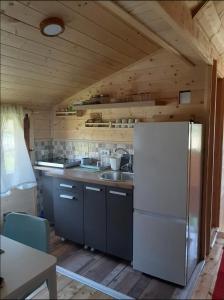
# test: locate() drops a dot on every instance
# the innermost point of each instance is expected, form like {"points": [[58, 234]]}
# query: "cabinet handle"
{"points": [[66, 185], [67, 197], [93, 189], [118, 193]]}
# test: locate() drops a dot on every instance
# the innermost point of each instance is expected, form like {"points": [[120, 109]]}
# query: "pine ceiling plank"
{"points": [[5, 87], [8, 38], [190, 33], [143, 28], [33, 18], [208, 18], [12, 78], [11, 92], [130, 5], [85, 26], [44, 70], [139, 8], [218, 40], [32, 34], [44, 101], [100, 16], [210, 21], [40, 60], [24, 73], [35, 89]]}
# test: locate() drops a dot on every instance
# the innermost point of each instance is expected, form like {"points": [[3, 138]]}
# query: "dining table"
{"points": [[24, 269]]}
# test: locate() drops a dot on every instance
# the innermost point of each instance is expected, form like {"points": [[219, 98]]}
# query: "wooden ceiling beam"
{"points": [[198, 7], [144, 30], [180, 19]]}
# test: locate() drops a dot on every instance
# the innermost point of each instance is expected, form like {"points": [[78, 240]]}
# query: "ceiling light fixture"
{"points": [[52, 27]]}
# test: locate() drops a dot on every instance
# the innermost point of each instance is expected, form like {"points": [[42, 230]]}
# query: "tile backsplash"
{"points": [[70, 149], [75, 148]]}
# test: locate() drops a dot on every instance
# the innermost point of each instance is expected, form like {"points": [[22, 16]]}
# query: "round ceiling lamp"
{"points": [[52, 27]]}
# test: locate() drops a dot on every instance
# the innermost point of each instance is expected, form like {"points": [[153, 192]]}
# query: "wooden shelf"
{"points": [[98, 125], [115, 105], [110, 125], [68, 113]]}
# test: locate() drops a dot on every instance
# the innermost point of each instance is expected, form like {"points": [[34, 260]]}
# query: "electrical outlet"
{"points": [[105, 152]]}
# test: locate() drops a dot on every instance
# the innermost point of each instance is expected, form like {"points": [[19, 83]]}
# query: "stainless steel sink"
{"points": [[116, 176]]}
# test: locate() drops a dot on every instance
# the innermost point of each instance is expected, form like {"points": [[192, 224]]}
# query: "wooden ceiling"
{"points": [[39, 70], [194, 28], [211, 19], [100, 38]]}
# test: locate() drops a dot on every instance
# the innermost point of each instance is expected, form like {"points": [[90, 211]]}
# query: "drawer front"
{"points": [[68, 212], [68, 185]]}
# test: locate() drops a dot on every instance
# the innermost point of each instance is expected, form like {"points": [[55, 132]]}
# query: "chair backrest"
{"points": [[29, 230]]}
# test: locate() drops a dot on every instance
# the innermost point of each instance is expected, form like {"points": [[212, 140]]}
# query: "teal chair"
{"points": [[29, 230]]}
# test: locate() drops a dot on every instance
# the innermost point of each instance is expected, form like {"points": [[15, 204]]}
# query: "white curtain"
{"points": [[16, 168]]}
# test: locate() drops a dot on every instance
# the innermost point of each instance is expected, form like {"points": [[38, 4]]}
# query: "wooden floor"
{"points": [[70, 289], [207, 279], [119, 275]]}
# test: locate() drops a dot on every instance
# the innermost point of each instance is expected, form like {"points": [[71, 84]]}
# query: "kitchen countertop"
{"points": [[83, 175]]}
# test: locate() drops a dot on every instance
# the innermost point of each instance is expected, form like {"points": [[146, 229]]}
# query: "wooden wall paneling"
{"points": [[221, 218], [208, 166], [74, 127], [218, 154], [42, 124], [163, 74]]}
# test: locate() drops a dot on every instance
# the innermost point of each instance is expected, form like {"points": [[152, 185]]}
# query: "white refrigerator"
{"points": [[167, 193]]}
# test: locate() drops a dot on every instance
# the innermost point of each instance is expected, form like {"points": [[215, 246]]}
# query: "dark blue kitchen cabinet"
{"points": [[98, 216], [95, 216], [120, 222], [47, 186], [68, 210]]}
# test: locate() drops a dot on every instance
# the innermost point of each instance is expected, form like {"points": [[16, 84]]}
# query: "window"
{"points": [[9, 147], [16, 168]]}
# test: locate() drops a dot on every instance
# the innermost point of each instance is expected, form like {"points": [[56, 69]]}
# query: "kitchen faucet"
{"points": [[129, 164]]}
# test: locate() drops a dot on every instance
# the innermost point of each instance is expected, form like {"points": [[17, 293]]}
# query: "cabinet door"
{"points": [[120, 222], [48, 195], [68, 211], [95, 216]]}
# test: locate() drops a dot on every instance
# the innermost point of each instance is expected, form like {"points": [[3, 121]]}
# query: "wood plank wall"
{"points": [[163, 75], [42, 124], [222, 193]]}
